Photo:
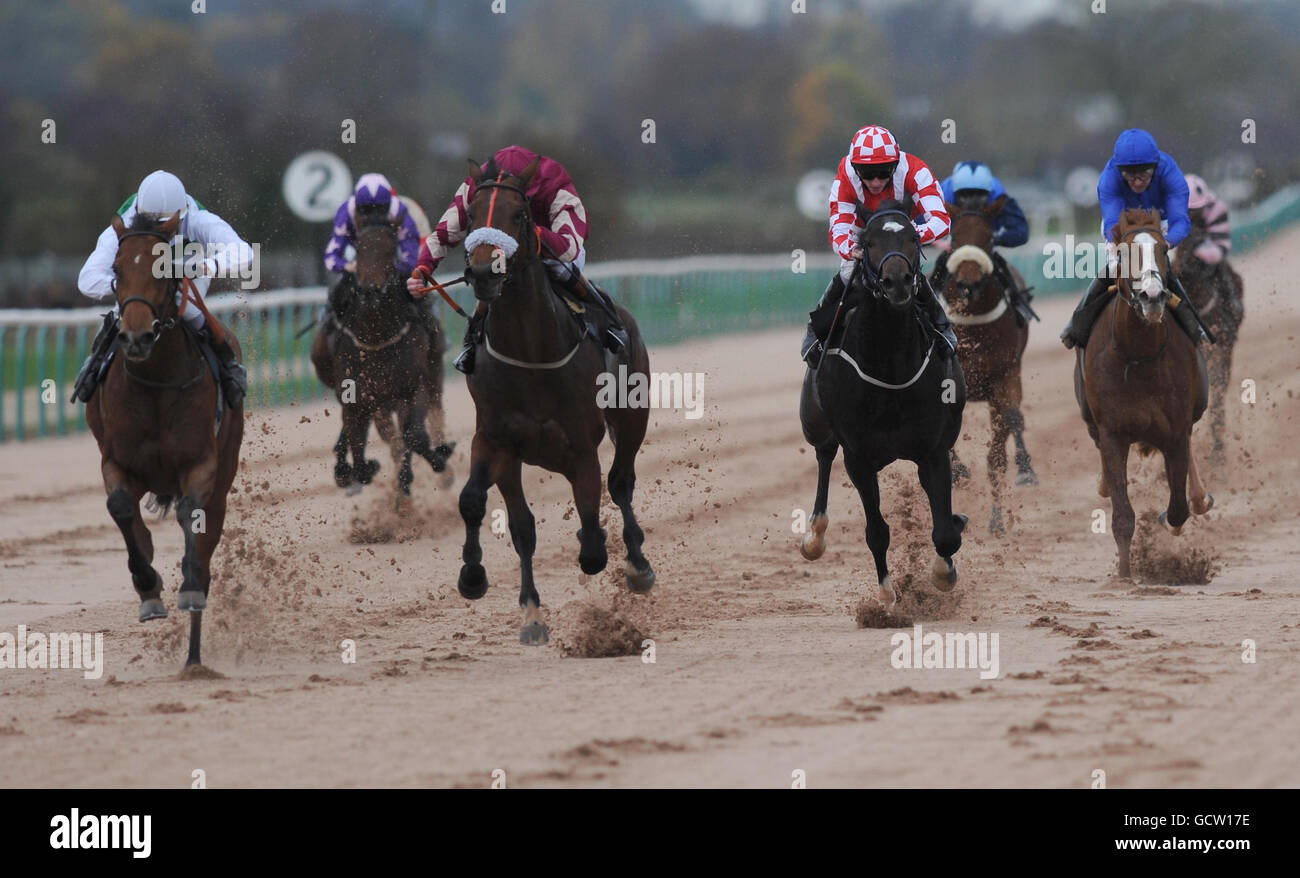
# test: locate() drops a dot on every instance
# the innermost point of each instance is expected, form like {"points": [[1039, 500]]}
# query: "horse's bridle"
{"points": [[500, 183], [871, 272], [1124, 285], [159, 324]]}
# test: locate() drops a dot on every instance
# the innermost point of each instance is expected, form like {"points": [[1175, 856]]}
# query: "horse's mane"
{"points": [[143, 222]]}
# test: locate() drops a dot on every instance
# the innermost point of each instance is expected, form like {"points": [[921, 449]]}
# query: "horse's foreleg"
{"points": [[523, 533], [473, 582], [1114, 463], [356, 423], [1025, 475], [865, 480], [195, 515], [1177, 461], [1202, 500], [936, 481], [585, 480], [342, 469], [124, 508], [627, 437], [813, 544]]}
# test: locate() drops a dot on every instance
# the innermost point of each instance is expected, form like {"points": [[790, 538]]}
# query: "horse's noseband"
{"points": [[528, 220], [159, 324], [872, 272]]}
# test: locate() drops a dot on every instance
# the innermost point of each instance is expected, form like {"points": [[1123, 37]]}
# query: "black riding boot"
{"points": [[234, 380], [88, 378], [1183, 313], [614, 337], [473, 335], [938, 318], [1018, 297], [1085, 314], [810, 349]]}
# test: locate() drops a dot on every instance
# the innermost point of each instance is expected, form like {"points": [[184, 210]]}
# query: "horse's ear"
{"points": [[173, 223], [527, 174], [994, 207], [492, 170], [118, 225], [862, 212], [475, 169]]}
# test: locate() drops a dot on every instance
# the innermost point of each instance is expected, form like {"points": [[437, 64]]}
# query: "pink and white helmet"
{"points": [[1198, 194]]}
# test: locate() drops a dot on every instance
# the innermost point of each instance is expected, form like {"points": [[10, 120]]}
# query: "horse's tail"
{"points": [[159, 503]]}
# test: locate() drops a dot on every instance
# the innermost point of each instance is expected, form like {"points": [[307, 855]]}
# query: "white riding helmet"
{"points": [[161, 194]]}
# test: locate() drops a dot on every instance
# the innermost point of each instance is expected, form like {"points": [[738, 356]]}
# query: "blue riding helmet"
{"points": [[1135, 147], [972, 175]]}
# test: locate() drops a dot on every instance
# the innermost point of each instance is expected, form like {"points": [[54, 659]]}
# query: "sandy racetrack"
{"points": [[760, 669]]}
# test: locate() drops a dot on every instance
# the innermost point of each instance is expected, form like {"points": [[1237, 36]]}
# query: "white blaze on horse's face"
{"points": [[892, 226], [1151, 283]]}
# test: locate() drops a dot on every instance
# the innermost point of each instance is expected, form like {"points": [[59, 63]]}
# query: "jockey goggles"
{"points": [[876, 172]]}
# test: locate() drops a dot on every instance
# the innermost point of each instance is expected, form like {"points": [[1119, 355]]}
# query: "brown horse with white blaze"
{"points": [[1141, 380], [990, 344], [153, 420]]}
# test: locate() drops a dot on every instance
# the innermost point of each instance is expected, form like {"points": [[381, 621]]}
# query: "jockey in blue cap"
{"points": [[1138, 175], [970, 187]]}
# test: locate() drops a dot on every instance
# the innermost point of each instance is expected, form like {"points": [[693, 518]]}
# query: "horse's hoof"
{"points": [[813, 544], [1027, 479], [595, 562], [441, 455], [342, 475], [367, 473], [996, 527], [886, 594], [534, 634], [193, 600], [472, 582], [959, 521], [1163, 518], [1209, 504], [945, 573], [640, 581], [152, 608]]}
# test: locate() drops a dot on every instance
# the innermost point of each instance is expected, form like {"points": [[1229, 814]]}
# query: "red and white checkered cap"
{"points": [[873, 145]]}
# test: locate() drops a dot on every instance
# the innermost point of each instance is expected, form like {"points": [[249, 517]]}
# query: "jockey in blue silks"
{"points": [[971, 186], [1139, 175]]}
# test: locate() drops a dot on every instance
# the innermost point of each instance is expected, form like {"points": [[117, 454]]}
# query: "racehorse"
{"points": [[535, 399], [1216, 293], [883, 395], [155, 422], [380, 343], [990, 344], [1141, 380]]}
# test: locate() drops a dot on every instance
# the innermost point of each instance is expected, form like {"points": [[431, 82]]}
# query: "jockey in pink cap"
{"points": [[1209, 212]]}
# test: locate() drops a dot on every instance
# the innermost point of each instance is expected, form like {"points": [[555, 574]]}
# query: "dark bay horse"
{"points": [[990, 344], [1216, 292], [534, 389], [883, 394], [1141, 380], [154, 419], [381, 345]]}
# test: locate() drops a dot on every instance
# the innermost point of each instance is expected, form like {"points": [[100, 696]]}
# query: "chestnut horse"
{"points": [[1141, 380], [1216, 292], [535, 399], [154, 422], [990, 344]]}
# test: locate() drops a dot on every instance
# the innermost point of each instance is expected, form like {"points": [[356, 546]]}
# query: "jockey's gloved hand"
{"points": [[417, 283]]}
